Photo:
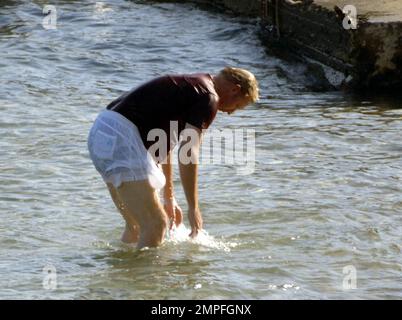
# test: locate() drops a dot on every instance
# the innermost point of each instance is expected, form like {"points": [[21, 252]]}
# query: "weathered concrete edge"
{"points": [[369, 57]]}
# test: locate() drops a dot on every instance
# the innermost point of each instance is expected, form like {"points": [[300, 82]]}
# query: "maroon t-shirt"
{"points": [[183, 98]]}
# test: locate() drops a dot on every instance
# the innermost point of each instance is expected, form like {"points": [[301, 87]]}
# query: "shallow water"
{"points": [[325, 194]]}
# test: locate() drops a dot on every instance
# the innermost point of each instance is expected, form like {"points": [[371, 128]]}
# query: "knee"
{"points": [[152, 235], [156, 224], [160, 224]]}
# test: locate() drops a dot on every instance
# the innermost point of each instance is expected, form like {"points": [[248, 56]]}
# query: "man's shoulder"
{"points": [[213, 99], [202, 78], [201, 82]]}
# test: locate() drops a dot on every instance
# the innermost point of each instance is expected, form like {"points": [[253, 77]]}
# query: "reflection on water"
{"points": [[326, 192]]}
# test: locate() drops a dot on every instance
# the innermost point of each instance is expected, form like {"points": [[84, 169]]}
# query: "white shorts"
{"points": [[118, 153]]}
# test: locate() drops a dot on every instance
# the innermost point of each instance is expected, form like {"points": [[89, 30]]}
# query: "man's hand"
{"points": [[195, 218], [173, 211]]}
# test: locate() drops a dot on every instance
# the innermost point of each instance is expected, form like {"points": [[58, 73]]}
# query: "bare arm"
{"points": [[188, 164], [172, 209], [168, 172]]}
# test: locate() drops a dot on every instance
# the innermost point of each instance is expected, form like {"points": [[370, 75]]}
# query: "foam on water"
{"points": [[176, 236], [181, 233]]}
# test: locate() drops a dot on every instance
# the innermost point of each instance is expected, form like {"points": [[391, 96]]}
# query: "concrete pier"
{"points": [[375, 11], [318, 32]]}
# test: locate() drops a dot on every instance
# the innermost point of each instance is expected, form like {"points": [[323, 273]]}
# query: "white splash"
{"points": [[181, 234]]}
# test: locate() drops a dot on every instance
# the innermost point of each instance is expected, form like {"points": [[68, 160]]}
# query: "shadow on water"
{"points": [[381, 101]]}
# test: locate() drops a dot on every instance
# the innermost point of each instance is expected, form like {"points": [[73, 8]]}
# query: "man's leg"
{"points": [[131, 231], [143, 206]]}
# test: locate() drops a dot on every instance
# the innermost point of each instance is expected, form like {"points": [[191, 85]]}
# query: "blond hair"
{"points": [[244, 78]]}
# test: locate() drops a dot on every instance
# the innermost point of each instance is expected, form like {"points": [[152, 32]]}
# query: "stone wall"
{"points": [[369, 57]]}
